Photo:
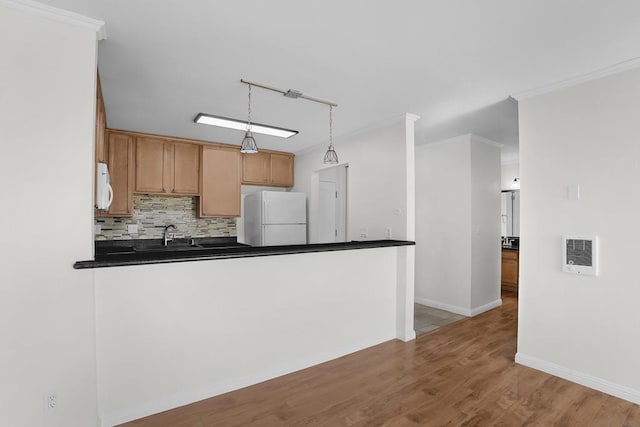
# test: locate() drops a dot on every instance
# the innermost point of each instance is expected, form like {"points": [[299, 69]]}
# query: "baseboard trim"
{"points": [[406, 336], [442, 306], [587, 380], [459, 310], [489, 306], [181, 399]]}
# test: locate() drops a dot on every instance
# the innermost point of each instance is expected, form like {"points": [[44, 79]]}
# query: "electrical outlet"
{"points": [[97, 229], [132, 228], [389, 232], [50, 401], [364, 233]]}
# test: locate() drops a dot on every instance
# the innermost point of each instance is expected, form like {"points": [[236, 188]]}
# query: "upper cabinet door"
{"points": [[186, 168], [220, 184], [167, 167], [255, 168], [268, 168], [120, 163], [281, 170], [150, 165], [101, 126]]}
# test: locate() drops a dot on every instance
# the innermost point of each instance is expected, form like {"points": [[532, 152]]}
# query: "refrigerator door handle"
{"points": [[264, 210]]}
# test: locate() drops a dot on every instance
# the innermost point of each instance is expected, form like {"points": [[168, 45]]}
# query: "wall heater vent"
{"points": [[580, 255]]}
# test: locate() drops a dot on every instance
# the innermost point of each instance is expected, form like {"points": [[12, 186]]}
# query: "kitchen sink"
{"points": [[154, 249]]}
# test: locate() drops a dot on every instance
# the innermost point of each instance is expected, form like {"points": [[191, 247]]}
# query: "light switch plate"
{"points": [[573, 191], [132, 228]]}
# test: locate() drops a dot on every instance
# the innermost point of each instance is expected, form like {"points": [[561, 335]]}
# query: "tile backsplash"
{"points": [[152, 213]]}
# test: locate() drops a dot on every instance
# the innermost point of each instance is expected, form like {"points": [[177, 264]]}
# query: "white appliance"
{"points": [[510, 213], [273, 218], [104, 192]]}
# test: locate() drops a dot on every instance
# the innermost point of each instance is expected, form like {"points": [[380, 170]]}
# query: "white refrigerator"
{"points": [[274, 218]]}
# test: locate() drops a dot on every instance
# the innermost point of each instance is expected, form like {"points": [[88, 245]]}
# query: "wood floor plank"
{"points": [[462, 374]]}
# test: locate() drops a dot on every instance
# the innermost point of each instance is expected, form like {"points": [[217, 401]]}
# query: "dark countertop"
{"points": [[151, 251], [511, 248]]}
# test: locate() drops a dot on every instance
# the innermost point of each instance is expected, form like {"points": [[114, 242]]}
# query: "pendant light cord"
{"points": [[249, 112], [330, 125]]}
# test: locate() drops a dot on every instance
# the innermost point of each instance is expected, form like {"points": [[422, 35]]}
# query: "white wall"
{"points": [[486, 255], [443, 222], [509, 172], [377, 185], [171, 334], [47, 323], [380, 196], [458, 225], [583, 328]]}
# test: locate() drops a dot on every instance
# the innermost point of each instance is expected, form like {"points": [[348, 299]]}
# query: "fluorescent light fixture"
{"points": [[224, 122]]}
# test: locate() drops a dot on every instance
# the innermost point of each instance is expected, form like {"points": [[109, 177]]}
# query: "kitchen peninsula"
{"points": [[129, 252], [170, 333]]}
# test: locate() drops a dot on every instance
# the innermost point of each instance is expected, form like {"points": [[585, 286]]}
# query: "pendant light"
{"points": [[331, 157], [248, 145]]}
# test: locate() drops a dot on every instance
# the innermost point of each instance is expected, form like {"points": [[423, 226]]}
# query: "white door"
{"points": [[327, 212]]}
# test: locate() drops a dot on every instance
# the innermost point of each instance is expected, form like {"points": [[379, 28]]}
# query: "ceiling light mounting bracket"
{"points": [[289, 93], [292, 93]]}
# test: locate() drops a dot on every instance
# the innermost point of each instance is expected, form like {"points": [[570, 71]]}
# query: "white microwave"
{"points": [[104, 191]]}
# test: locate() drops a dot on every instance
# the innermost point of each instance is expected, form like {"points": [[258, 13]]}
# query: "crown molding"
{"points": [[510, 162], [341, 138], [59, 15], [463, 137], [487, 141], [603, 72], [412, 117]]}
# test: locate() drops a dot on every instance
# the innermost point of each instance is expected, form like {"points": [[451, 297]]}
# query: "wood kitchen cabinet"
{"points": [[101, 126], [166, 167], [220, 181], [268, 168], [281, 170], [255, 168], [510, 267], [119, 149], [100, 142]]}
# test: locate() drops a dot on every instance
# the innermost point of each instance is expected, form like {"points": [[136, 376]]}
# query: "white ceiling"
{"points": [[452, 62]]}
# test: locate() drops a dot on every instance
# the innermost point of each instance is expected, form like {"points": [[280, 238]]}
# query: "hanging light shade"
{"points": [[249, 145], [331, 157]]}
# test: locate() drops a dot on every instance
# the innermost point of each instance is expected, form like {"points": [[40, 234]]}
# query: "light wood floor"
{"points": [[462, 374]]}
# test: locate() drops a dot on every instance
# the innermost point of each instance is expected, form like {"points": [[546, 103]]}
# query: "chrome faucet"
{"points": [[167, 239]]}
